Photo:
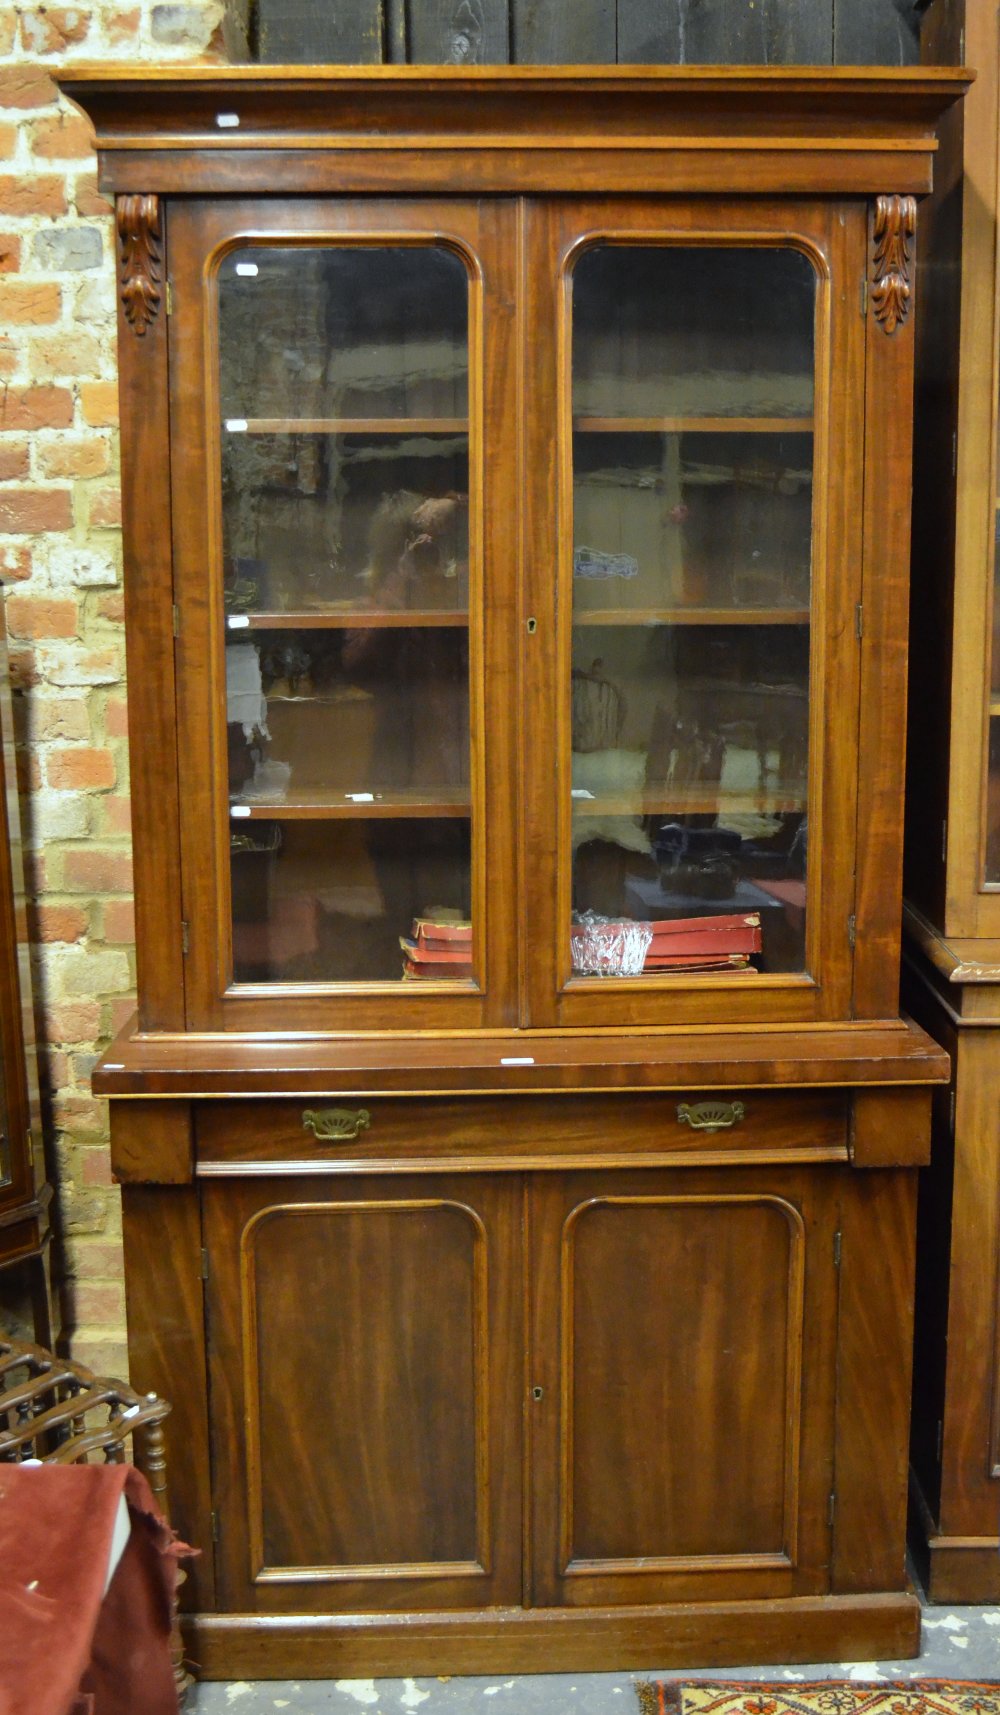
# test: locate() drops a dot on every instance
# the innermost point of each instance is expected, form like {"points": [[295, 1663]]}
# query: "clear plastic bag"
{"points": [[608, 947]]}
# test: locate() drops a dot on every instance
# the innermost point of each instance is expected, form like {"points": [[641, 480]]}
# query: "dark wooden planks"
{"points": [[563, 32], [580, 32], [725, 32], [457, 32], [331, 32], [876, 32]]}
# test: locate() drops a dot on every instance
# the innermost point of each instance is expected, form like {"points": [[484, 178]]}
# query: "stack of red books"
{"points": [[437, 949], [704, 943], [685, 943]]}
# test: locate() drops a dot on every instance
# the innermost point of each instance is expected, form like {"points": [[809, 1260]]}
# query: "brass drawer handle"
{"points": [[710, 1116], [336, 1125]]}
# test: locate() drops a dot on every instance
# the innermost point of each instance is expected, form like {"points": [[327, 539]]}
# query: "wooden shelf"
{"points": [[392, 804], [691, 616], [692, 801], [357, 619], [348, 425], [693, 425]]}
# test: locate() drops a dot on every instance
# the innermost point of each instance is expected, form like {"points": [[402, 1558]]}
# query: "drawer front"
{"points": [[311, 1134]]}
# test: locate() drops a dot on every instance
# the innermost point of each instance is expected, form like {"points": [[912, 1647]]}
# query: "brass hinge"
{"points": [[836, 1250], [852, 930], [944, 841], [951, 1111], [185, 939], [204, 1264], [31, 1147], [175, 618], [215, 1526], [170, 299], [864, 297], [859, 620], [831, 1508]]}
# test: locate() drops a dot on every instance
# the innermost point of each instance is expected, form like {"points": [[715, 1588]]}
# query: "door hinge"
{"points": [[175, 618], [204, 1264], [859, 620], [836, 1250], [170, 298], [831, 1508], [944, 841], [864, 297], [951, 1111], [185, 938], [30, 1139], [852, 930], [215, 1526]]}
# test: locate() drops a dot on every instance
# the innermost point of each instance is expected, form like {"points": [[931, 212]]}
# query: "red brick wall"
{"points": [[60, 558]]}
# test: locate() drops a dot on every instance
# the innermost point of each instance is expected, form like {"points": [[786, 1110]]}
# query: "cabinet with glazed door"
{"points": [[516, 486]]}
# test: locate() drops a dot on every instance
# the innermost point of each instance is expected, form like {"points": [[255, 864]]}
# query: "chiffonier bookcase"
{"points": [[952, 875], [519, 1132]]}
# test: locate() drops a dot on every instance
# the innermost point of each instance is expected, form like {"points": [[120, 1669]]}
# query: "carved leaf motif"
{"points": [[141, 259], [895, 224]]}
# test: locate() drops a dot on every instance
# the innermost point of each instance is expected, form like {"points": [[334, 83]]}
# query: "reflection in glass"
{"points": [[710, 332], [343, 331], [329, 901], [678, 520], [693, 453], [346, 532]]}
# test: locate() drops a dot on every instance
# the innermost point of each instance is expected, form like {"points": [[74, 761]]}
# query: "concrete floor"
{"points": [[958, 1643]]}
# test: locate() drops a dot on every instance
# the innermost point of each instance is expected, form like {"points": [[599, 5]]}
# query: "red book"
{"points": [[745, 938], [696, 962], [715, 923], [428, 972], [443, 935], [419, 953]]}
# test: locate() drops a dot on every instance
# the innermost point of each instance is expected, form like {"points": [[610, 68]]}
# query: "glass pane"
{"points": [[345, 516], [693, 452]]}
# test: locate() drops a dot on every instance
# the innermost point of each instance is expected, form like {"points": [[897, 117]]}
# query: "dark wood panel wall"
{"points": [[547, 32]]}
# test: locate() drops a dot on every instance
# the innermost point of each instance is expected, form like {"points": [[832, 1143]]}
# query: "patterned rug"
{"points": [[820, 1697]]}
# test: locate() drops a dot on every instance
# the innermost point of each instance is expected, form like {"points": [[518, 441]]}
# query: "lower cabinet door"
{"points": [[367, 1392], [681, 1388]]}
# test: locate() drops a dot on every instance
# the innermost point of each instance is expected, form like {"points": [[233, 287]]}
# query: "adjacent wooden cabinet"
{"points": [[25, 1194], [519, 1131], [952, 880]]}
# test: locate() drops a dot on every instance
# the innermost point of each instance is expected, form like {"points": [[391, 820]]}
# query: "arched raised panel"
{"points": [[364, 1357], [682, 1319], [685, 1328]]}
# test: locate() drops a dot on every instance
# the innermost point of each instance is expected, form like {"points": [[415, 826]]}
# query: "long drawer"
{"points": [[520, 1132]]}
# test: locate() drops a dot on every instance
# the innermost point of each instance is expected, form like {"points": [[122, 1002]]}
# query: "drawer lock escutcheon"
{"points": [[710, 1116], [336, 1125]]}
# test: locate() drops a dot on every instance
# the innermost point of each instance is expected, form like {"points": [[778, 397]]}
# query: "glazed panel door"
{"points": [[343, 575], [366, 1368], [693, 575], [682, 1384]]}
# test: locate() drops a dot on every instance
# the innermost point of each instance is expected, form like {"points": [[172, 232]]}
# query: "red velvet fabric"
{"points": [[65, 1647]]}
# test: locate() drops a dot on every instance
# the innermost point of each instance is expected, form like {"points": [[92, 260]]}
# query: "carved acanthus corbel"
{"points": [[894, 226], [141, 261]]}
